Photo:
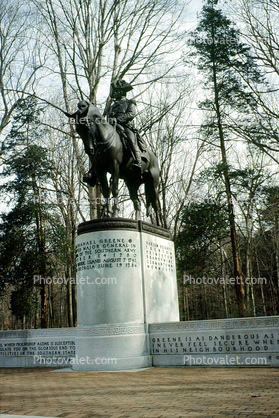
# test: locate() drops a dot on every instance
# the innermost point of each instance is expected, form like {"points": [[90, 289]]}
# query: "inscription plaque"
{"points": [[109, 279], [41, 348], [51, 347], [228, 342], [160, 279], [107, 253], [159, 257]]}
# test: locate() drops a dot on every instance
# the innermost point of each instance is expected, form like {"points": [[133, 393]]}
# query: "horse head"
{"points": [[84, 120]]}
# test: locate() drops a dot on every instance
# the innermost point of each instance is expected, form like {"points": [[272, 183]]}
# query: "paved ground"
{"points": [[155, 392]]}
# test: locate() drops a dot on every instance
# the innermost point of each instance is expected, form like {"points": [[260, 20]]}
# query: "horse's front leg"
{"points": [[115, 191], [106, 193]]}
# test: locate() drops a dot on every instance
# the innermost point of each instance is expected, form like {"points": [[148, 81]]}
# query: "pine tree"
{"points": [[23, 229], [202, 225], [226, 62]]}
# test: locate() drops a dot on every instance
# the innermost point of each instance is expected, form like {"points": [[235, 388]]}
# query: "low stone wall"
{"points": [[222, 342], [52, 347], [250, 342]]}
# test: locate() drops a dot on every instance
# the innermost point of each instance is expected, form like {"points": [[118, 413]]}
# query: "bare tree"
{"points": [[165, 122], [249, 181], [110, 39], [20, 59], [259, 27]]}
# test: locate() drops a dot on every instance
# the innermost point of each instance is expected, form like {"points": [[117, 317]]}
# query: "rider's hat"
{"points": [[120, 85]]}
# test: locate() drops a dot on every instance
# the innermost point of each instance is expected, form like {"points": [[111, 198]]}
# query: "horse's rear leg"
{"points": [[115, 191], [133, 191], [152, 200], [155, 205], [136, 203]]}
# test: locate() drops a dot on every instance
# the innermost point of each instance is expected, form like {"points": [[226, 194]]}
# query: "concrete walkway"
{"points": [[156, 392]]}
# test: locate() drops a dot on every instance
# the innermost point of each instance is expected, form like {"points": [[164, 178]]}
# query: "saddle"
{"points": [[141, 143], [90, 177]]}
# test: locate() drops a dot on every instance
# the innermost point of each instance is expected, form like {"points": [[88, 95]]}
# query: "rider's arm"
{"points": [[131, 111]]}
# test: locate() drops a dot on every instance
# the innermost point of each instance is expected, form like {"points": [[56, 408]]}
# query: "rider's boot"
{"points": [[137, 165]]}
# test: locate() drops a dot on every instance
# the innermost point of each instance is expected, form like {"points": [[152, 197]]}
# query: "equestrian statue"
{"points": [[114, 146]]}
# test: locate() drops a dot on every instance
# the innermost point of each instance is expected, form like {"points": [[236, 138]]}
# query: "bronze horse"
{"points": [[107, 154]]}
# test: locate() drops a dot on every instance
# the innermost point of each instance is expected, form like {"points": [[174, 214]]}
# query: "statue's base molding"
{"points": [[112, 348]]}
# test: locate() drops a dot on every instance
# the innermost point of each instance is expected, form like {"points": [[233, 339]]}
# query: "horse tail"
{"points": [[151, 189]]}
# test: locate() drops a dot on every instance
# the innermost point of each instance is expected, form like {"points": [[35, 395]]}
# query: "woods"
{"points": [[207, 99]]}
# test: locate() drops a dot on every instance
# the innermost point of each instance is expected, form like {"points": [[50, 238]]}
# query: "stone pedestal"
{"points": [[126, 279]]}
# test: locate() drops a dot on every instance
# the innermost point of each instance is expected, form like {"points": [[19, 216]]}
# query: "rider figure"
{"points": [[123, 111]]}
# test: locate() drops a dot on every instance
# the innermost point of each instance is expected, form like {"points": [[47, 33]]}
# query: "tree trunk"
{"points": [[277, 257], [236, 260], [43, 305], [41, 248], [70, 302], [225, 286]]}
